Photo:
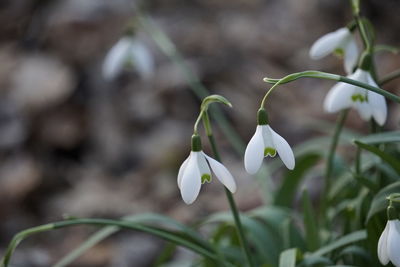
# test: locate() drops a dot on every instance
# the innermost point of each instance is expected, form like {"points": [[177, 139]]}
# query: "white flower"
{"points": [[342, 40], [266, 142], [389, 243], [367, 103], [195, 170], [126, 51]]}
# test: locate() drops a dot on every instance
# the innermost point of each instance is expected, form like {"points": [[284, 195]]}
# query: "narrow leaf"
{"points": [[310, 223], [341, 242], [379, 138], [392, 161], [289, 257], [287, 192]]}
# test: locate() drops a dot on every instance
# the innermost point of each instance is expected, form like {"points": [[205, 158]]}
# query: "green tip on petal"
{"points": [[262, 117], [269, 151], [339, 52], [359, 97], [196, 143], [205, 178]]}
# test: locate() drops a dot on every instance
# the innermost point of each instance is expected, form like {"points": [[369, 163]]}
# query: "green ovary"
{"points": [[269, 151], [359, 97], [205, 178]]}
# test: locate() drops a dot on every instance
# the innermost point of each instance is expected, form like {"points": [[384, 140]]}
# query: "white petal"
{"points": [[284, 150], [360, 75], [115, 59], [254, 153], [182, 170], [382, 246], [142, 59], [377, 103], [364, 110], [350, 54], [339, 97], [203, 166], [393, 242], [222, 173], [328, 43], [267, 137], [191, 180]]}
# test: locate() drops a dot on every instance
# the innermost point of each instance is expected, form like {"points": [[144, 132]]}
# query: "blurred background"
{"points": [[74, 143]]}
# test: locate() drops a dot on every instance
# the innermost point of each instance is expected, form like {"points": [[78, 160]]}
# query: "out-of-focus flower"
{"points": [[342, 41], [266, 142], [367, 103], [195, 170], [128, 52], [389, 243]]}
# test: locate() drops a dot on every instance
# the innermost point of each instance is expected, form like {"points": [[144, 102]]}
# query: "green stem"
{"points": [[104, 222], [364, 34], [242, 238], [333, 77], [391, 76], [196, 124], [330, 160], [332, 149]]}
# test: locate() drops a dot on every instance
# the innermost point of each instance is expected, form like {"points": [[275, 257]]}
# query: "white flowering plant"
{"points": [[351, 221]]}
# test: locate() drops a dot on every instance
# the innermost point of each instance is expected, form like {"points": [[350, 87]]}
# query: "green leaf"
{"points": [[146, 218], [379, 202], [310, 223], [289, 257], [287, 191], [356, 251], [342, 183], [392, 161], [214, 99], [379, 138], [387, 48], [315, 261], [341, 242], [265, 240], [277, 219]]}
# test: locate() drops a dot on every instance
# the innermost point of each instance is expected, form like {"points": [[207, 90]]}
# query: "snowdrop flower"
{"points": [[195, 170], [389, 242], [128, 51], [367, 103], [266, 142], [340, 40]]}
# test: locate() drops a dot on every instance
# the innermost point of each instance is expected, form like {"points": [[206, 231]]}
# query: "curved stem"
{"points": [[232, 204], [270, 91], [196, 124], [333, 77], [104, 222], [391, 76]]}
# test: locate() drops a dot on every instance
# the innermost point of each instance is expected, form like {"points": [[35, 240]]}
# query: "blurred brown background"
{"points": [[74, 143]]}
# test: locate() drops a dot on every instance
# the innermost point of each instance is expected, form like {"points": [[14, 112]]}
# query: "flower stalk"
{"points": [[328, 76], [232, 204]]}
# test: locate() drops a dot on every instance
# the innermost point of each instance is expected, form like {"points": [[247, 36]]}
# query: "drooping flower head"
{"points": [[389, 241], [266, 142], [195, 171], [128, 51], [368, 104], [342, 41]]}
